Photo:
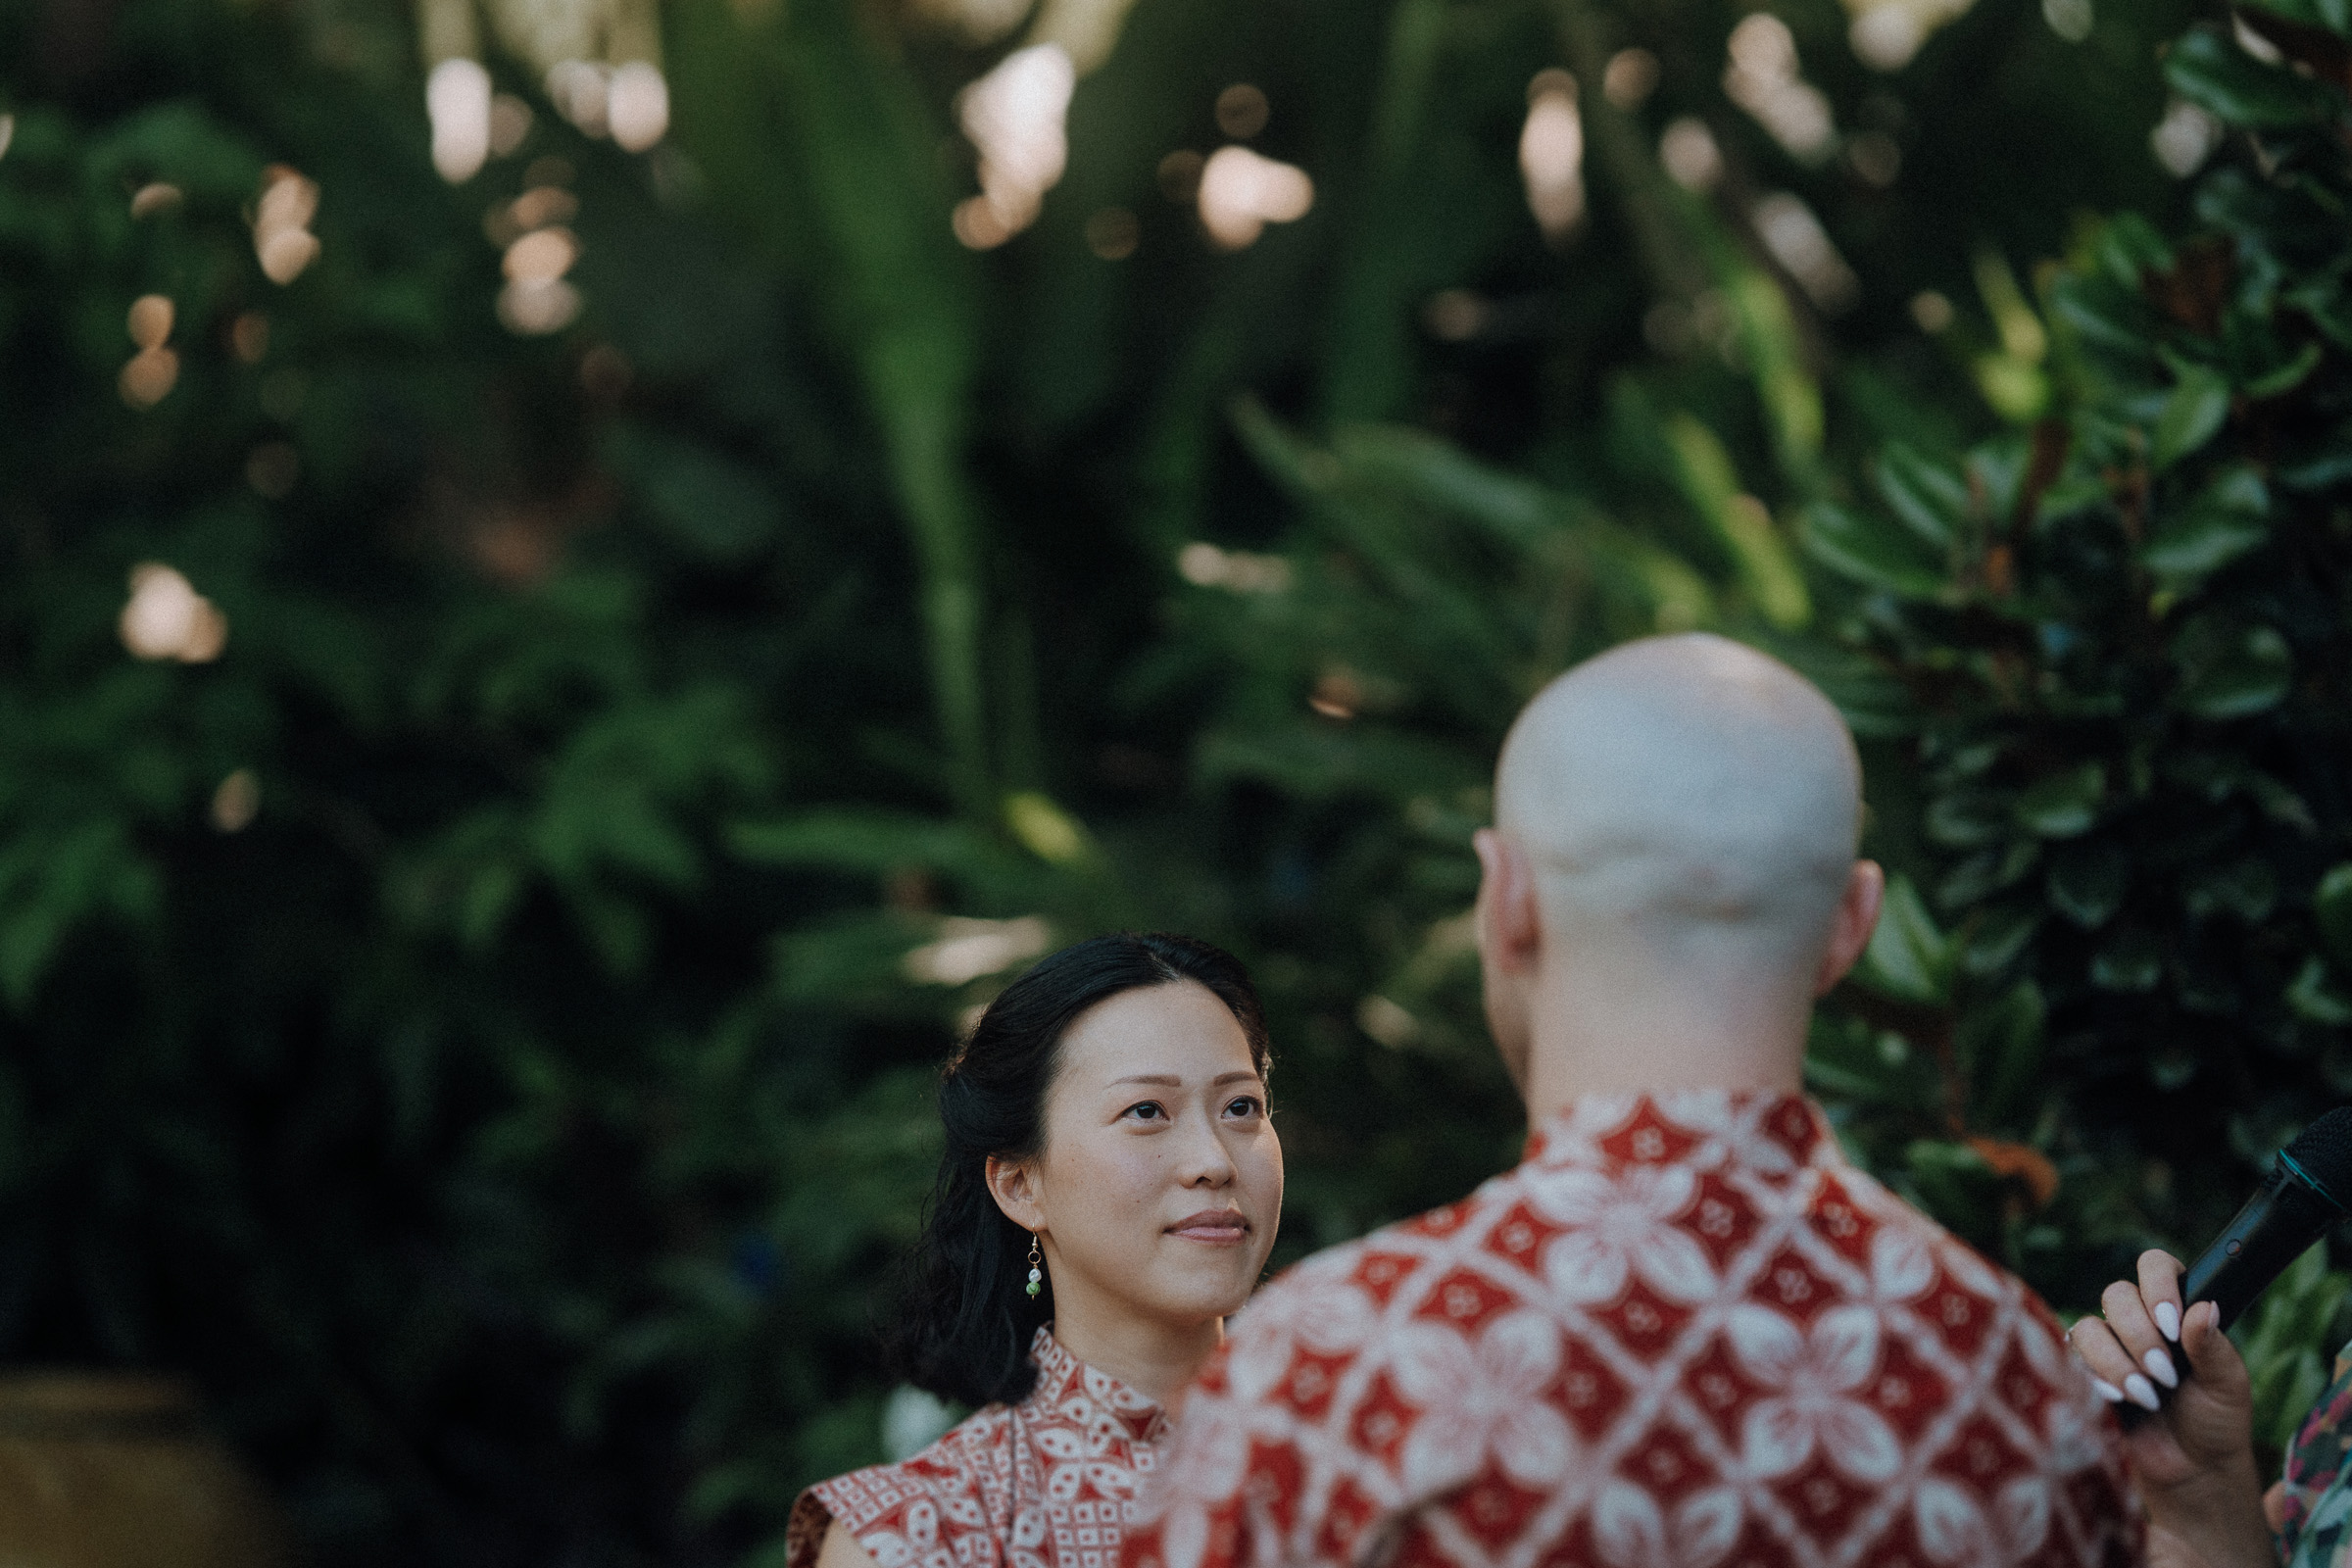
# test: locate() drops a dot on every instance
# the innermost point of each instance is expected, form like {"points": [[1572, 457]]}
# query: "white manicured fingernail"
{"points": [[2141, 1392], [2168, 1321], [2160, 1367], [2108, 1390]]}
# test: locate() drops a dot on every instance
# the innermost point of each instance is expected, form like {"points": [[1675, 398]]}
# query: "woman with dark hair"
{"points": [[1108, 1193]]}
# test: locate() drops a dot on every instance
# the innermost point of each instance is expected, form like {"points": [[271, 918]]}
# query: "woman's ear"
{"points": [[1012, 1183]]}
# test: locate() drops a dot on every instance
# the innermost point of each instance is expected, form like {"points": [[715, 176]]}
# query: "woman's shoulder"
{"points": [[954, 1460], [871, 1505]]}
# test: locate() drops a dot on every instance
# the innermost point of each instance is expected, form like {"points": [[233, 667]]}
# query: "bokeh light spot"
{"points": [[1014, 116], [537, 307], [2184, 138], [578, 90], [165, 617], [149, 377], [1802, 247], [541, 257], [1629, 77], [1179, 176], [154, 197], [1242, 192], [1241, 571], [456, 99], [1552, 154], [236, 802], [1455, 316], [1761, 78], [1692, 160], [149, 321], [1876, 158], [1242, 111], [510, 124], [2071, 20], [249, 336], [281, 237], [637, 106]]}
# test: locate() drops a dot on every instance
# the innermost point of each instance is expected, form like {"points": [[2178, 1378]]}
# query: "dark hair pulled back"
{"points": [[964, 1324]]}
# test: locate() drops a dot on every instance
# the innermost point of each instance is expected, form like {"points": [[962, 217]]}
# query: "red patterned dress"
{"points": [[1684, 1334], [1048, 1482]]}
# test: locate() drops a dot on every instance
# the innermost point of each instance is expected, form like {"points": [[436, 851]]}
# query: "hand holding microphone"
{"points": [[2161, 1347]]}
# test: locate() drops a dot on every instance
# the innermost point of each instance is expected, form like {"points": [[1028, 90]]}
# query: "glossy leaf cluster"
{"points": [[2121, 637]]}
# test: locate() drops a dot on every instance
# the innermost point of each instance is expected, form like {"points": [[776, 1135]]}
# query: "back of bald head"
{"points": [[1682, 790]]}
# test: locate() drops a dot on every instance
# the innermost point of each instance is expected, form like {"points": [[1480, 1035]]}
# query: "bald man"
{"points": [[1685, 1331]]}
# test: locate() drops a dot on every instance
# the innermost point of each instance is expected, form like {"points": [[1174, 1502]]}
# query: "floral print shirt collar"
{"points": [[1096, 1403], [1765, 1131]]}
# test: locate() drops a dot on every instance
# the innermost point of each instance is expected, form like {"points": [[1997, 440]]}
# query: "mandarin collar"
{"points": [[1762, 1130], [1071, 1391]]}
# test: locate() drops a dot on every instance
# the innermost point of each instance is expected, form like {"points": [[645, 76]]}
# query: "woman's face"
{"points": [[1160, 1188]]}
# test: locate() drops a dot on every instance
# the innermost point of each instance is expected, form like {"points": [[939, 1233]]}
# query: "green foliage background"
{"points": [[512, 1126]]}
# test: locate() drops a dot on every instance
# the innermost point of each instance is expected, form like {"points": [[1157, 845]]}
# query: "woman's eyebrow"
{"points": [[1171, 1081]]}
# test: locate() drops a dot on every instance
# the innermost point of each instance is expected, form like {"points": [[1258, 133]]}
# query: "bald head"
{"points": [[1690, 786]]}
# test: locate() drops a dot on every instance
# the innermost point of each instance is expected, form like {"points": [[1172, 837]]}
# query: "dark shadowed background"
{"points": [[535, 693]]}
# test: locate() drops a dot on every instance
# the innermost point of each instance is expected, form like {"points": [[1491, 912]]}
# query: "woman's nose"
{"points": [[1211, 1165]]}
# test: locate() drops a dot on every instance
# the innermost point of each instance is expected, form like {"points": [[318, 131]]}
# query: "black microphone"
{"points": [[2301, 1200], [2296, 1205]]}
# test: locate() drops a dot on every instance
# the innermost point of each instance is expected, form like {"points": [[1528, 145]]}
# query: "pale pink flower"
{"points": [[1621, 1226], [1814, 1378], [1631, 1531], [1478, 1397]]}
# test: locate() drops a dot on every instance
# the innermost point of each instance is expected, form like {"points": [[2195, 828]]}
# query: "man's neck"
{"points": [[1700, 1038]]}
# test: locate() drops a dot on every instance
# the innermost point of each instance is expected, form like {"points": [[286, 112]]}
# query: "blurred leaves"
{"points": [[2126, 668], [2209, 70], [660, 734], [2284, 1341]]}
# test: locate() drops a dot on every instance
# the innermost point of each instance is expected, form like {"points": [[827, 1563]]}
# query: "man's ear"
{"points": [[1857, 919], [1012, 1183], [1509, 926]]}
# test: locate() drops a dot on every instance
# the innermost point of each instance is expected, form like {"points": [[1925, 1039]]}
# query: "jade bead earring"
{"points": [[1036, 1275]]}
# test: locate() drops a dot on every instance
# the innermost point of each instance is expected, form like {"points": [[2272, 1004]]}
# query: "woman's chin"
{"points": [[1200, 1295]]}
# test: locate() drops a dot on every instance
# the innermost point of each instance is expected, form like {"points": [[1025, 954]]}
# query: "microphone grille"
{"points": [[2325, 1152]]}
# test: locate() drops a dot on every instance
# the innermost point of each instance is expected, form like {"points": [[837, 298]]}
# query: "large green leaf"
{"points": [[1865, 547], [2232, 672], [2332, 13], [2189, 417], [1927, 497], [2087, 882], [2229, 519], [1741, 525], [1909, 957], [2208, 68], [714, 506], [2001, 1043], [2331, 904], [2064, 804]]}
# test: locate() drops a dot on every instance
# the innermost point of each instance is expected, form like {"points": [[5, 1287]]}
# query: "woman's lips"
{"points": [[1221, 1227]]}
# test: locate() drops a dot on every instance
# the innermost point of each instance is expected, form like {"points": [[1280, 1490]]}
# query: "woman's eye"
{"points": [[1146, 1110], [1244, 1106]]}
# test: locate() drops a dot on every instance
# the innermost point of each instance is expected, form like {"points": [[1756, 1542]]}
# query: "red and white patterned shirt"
{"points": [[1685, 1333], [1048, 1482]]}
